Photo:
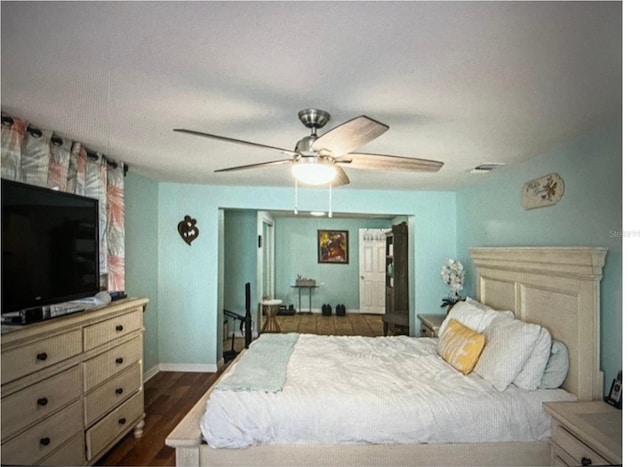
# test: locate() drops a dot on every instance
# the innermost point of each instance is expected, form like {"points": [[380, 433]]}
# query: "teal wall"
{"points": [[142, 256], [188, 322], [189, 326], [296, 253], [589, 214]]}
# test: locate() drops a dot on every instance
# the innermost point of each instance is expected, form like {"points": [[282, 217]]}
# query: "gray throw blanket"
{"points": [[263, 366]]}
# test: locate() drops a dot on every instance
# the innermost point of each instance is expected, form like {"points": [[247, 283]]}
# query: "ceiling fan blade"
{"points": [[349, 136], [255, 166], [233, 140], [386, 162], [340, 178]]}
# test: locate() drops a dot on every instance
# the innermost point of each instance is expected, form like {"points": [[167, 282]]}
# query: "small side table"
{"points": [[271, 307], [585, 433], [430, 324], [310, 290]]}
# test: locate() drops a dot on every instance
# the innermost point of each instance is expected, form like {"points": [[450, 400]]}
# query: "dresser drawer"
{"points": [[107, 364], [425, 331], [113, 425], [576, 448], [39, 400], [35, 356], [112, 393], [71, 453], [110, 329], [559, 457], [44, 438]]}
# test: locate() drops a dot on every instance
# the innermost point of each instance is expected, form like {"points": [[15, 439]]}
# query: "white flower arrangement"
{"points": [[453, 276]]}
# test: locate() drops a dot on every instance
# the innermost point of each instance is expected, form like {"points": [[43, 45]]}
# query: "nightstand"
{"points": [[585, 433], [430, 324]]}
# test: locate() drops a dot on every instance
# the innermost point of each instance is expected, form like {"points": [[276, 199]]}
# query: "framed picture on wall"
{"points": [[333, 246]]}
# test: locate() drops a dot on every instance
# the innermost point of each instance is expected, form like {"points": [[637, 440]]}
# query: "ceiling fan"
{"points": [[318, 160]]}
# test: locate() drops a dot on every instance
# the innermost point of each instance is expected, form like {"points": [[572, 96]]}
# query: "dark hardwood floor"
{"points": [[168, 396], [353, 324]]}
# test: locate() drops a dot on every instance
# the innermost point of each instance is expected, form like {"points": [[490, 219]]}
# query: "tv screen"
{"points": [[49, 246]]}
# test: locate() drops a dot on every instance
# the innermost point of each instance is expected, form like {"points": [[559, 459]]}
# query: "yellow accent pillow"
{"points": [[460, 346]]}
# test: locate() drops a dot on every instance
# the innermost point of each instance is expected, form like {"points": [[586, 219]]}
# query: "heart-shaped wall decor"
{"points": [[188, 230]]}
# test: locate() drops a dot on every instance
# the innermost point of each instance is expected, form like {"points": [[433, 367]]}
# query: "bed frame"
{"points": [[558, 287]]}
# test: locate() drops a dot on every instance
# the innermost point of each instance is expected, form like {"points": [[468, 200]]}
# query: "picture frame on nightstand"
{"points": [[615, 393]]}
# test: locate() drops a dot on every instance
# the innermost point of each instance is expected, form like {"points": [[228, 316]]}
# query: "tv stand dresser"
{"points": [[72, 386]]}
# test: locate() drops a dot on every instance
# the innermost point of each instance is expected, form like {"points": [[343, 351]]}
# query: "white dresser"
{"points": [[585, 433], [430, 324], [72, 386]]}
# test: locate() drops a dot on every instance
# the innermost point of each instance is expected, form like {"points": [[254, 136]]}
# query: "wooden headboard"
{"points": [[557, 287]]}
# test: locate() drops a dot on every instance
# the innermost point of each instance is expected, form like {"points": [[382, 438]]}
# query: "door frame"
{"points": [[265, 248]]}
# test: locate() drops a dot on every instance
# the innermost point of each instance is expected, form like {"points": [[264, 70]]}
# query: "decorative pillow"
{"points": [[460, 346], [478, 304], [531, 374], [509, 344], [469, 315], [557, 366], [485, 307]]}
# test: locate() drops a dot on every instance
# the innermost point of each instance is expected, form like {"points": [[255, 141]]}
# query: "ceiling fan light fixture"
{"points": [[314, 170], [318, 159]]}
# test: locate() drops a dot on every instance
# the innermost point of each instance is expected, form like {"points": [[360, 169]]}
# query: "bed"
{"points": [[555, 287]]}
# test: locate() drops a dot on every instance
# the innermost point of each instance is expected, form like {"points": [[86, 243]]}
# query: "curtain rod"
{"points": [[7, 120], [111, 163]]}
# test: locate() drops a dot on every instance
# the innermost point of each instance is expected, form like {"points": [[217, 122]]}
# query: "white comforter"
{"points": [[380, 390]]}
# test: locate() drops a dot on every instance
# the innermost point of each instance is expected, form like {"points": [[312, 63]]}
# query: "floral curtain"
{"points": [[40, 157]]}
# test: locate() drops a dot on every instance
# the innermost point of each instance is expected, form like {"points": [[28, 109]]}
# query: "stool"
{"points": [[270, 323]]}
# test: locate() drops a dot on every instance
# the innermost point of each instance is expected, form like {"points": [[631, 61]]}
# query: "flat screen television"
{"points": [[50, 248]]}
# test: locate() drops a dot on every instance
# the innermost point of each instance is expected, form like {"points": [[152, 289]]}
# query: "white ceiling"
{"points": [[462, 82]]}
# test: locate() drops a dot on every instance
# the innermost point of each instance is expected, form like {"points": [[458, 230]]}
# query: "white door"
{"points": [[372, 270]]}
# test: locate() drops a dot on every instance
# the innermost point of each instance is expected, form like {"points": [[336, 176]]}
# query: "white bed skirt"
{"points": [[473, 454]]}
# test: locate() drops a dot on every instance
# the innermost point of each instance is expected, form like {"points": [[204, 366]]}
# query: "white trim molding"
{"points": [[189, 367]]}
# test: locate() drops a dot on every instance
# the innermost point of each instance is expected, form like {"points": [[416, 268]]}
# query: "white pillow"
{"points": [[531, 374], [469, 315], [509, 345], [486, 307], [478, 304]]}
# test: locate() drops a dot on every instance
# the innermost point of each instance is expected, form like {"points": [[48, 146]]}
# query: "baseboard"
{"points": [[150, 373], [333, 311], [190, 367]]}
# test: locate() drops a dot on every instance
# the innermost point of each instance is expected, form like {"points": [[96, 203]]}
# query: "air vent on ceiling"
{"points": [[486, 168]]}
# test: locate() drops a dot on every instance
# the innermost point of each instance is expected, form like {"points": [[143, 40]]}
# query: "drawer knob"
{"points": [[119, 360], [42, 356], [43, 401], [45, 441], [122, 421], [119, 328], [119, 391], [585, 461]]}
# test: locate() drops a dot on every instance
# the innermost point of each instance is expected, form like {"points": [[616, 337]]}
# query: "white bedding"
{"points": [[379, 390]]}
